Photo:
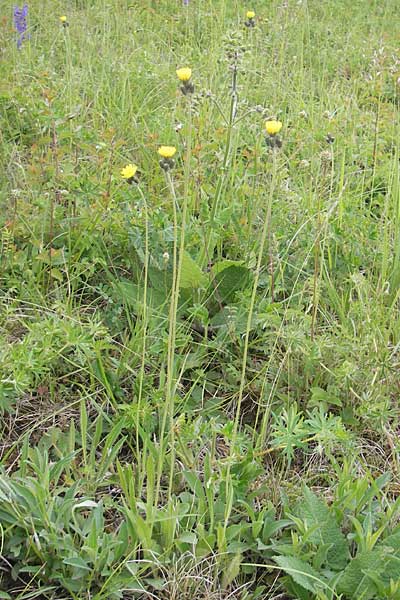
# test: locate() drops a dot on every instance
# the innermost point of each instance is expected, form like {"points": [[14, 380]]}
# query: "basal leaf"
{"points": [[356, 582], [191, 274], [317, 515], [228, 278], [301, 572]]}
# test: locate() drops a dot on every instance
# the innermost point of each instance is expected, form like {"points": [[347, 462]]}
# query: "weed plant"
{"points": [[199, 300]]}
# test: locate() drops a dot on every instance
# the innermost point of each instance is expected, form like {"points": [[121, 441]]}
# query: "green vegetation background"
{"points": [[199, 372]]}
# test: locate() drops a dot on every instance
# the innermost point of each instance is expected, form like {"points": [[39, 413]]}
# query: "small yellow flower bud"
{"points": [[63, 19]]}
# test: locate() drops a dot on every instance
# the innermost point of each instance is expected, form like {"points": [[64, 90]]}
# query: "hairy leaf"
{"points": [[356, 581], [318, 515], [301, 572]]}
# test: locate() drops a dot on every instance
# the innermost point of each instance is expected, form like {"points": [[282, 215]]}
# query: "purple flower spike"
{"points": [[185, 2], [20, 24]]}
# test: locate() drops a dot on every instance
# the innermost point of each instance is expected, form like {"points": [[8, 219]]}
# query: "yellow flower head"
{"points": [[184, 74], [63, 19], [167, 151], [129, 171], [250, 14], [273, 127]]}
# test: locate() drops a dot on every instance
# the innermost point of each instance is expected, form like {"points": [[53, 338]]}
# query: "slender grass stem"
{"points": [[207, 252], [178, 254], [263, 238], [144, 328]]}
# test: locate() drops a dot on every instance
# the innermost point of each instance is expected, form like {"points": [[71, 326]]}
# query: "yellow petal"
{"points": [[250, 14], [129, 171], [184, 74], [167, 151], [273, 127], [63, 19]]}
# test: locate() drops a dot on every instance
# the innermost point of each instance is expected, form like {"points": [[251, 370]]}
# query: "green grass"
{"points": [[199, 371]]}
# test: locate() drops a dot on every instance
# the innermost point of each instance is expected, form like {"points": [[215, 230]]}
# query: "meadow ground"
{"points": [[199, 356]]}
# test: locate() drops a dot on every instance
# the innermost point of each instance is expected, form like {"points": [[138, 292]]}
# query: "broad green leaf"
{"points": [[195, 485], [355, 582], [271, 526], [228, 278], [57, 469], [319, 517], [392, 541], [302, 573], [188, 537], [231, 318], [56, 274], [205, 545], [132, 294], [77, 562], [157, 583], [225, 264], [322, 397], [191, 274], [391, 546], [297, 591], [141, 528]]}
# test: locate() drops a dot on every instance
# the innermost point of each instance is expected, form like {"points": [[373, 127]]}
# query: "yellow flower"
{"points": [[273, 127], [250, 14], [184, 74], [129, 171], [63, 19], [166, 151]]}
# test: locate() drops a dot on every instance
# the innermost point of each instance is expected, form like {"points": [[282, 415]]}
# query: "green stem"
{"points": [[168, 413], [169, 394], [208, 249], [263, 238], [144, 321]]}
